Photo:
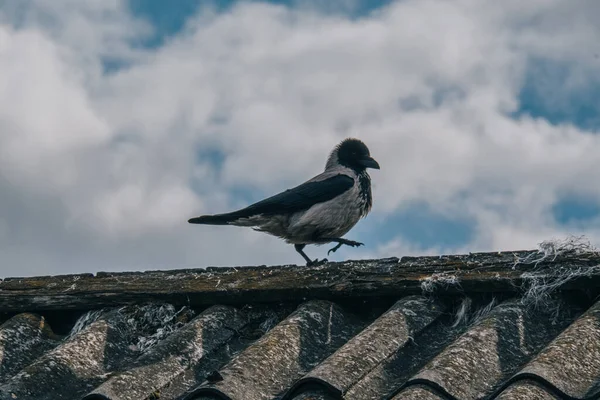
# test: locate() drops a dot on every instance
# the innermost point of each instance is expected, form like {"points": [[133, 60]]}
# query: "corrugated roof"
{"points": [[398, 347], [319, 351]]}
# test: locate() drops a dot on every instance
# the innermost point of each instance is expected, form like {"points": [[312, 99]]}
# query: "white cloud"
{"points": [[99, 169]]}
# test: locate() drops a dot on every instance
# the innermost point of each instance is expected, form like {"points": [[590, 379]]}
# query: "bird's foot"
{"points": [[334, 249], [347, 242], [352, 243], [316, 262]]}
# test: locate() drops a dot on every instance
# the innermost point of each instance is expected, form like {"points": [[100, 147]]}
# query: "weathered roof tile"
{"points": [[171, 357], [23, 338], [526, 390], [292, 348], [571, 362], [77, 365], [392, 373], [316, 394], [419, 392], [481, 359], [384, 337]]}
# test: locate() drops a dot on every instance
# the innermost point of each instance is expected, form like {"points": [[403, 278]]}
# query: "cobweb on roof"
{"points": [[542, 282]]}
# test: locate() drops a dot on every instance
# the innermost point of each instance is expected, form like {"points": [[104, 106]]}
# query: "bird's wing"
{"points": [[299, 198]]}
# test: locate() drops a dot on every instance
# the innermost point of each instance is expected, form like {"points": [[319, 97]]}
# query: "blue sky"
{"points": [[168, 19], [122, 120], [546, 94]]}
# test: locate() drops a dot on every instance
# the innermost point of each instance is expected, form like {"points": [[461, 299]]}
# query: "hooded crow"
{"points": [[319, 211]]}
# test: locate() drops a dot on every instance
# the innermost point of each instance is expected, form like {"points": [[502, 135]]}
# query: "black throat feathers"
{"points": [[364, 185]]}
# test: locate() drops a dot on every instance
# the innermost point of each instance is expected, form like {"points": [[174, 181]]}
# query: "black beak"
{"points": [[369, 162]]}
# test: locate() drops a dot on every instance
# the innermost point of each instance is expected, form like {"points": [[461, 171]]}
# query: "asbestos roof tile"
{"points": [[392, 373], [419, 392], [316, 394], [184, 349], [23, 338], [76, 365], [291, 349], [527, 390], [570, 364], [485, 356], [382, 338]]}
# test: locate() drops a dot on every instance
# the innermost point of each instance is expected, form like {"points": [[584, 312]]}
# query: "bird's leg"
{"points": [[334, 249], [299, 248], [340, 242]]}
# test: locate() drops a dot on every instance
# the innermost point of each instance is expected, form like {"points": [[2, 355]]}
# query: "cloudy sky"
{"points": [[119, 120]]}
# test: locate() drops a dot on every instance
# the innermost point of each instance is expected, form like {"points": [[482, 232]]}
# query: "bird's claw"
{"points": [[351, 243], [355, 244], [315, 262], [334, 249]]}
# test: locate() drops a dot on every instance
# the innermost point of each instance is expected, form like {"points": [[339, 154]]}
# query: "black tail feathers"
{"points": [[219, 219]]}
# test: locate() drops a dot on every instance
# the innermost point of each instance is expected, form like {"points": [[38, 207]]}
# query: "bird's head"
{"points": [[352, 153]]}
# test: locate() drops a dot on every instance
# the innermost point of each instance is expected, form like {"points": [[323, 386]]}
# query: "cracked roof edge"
{"points": [[512, 272]]}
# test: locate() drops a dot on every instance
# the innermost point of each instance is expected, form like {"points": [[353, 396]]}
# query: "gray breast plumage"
{"points": [[329, 219], [333, 218]]}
